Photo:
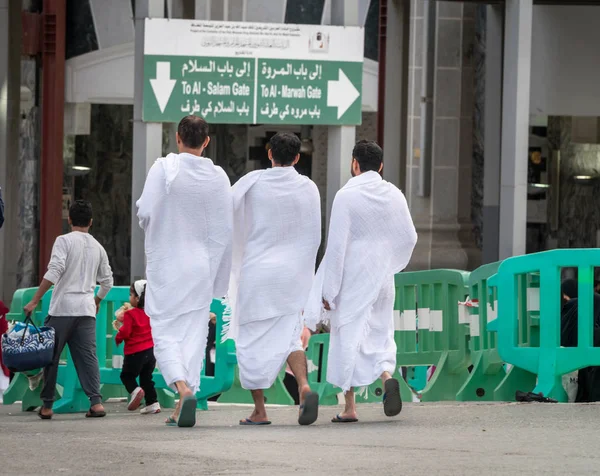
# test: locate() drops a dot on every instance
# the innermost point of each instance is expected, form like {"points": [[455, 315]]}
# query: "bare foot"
{"points": [[97, 408], [348, 414], [257, 417], [304, 391]]}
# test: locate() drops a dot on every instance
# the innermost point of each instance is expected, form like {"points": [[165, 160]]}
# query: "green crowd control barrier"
{"points": [[71, 397], [530, 340], [428, 331], [489, 379], [277, 394], [317, 358]]}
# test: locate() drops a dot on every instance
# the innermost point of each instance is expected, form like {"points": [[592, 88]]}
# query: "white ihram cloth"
{"points": [[186, 213], [277, 232], [371, 238]]}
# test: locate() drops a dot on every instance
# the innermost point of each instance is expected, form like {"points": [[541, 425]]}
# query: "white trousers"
{"points": [[361, 350], [180, 346], [263, 347]]}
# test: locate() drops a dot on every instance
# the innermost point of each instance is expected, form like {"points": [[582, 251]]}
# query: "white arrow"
{"points": [[163, 84], [341, 94]]}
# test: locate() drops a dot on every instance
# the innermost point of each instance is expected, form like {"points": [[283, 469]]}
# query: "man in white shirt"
{"points": [[77, 263], [186, 213], [371, 238], [277, 232]]}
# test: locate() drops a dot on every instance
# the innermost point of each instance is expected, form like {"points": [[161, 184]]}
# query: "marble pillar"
{"points": [[477, 174], [443, 219], [29, 156]]}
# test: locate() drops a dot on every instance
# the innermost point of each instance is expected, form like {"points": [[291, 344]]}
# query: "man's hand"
{"points": [[98, 301], [326, 305], [29, 308]]}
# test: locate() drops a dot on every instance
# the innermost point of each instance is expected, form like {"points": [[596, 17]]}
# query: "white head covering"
{"points": [[139, 286]]}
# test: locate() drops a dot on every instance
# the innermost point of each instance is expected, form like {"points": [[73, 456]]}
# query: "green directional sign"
{"points": [[260, 81]]}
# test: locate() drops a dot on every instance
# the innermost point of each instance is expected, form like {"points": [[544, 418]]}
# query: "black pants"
{"points": [[79, 333], [142, 365]]}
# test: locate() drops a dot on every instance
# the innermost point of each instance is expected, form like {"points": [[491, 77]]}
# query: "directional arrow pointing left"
{"points": [[341, 93], [163, 84]]}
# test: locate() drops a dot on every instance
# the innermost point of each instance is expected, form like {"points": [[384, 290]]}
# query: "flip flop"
{"points": [[187, 415], [339, 419], [45, 417], [248, 422], [309, 411], [392, 402], [94, 414], [171, 421]]}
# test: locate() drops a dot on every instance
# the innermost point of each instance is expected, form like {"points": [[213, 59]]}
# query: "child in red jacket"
{"points": [[139, 358]]}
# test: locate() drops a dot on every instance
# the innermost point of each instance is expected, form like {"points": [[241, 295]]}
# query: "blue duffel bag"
{"points": [[28, 347]]}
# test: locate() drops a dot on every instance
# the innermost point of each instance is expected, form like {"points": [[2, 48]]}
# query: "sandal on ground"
{"points": [[339, 419], [187, 415], [392, 402], [248, 422], [309, 410], [45, 417], [95, 414]]}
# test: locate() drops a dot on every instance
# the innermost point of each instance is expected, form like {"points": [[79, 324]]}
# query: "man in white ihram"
{"points": [[277, 232], [371, 238], [186, 213]]}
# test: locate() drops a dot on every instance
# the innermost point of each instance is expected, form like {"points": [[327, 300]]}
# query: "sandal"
{"points": [[45, 417], [171, 421], [94, 414]]}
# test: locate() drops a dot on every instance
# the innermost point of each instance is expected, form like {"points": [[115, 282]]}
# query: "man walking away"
{"points": [[277, 220], [78, 262], [371, 238], [186, 213]]}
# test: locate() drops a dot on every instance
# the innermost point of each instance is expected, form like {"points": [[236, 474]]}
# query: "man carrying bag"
{"points": [[78, 262]]}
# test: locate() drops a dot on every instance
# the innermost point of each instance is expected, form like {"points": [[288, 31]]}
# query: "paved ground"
{"points": [[428, 439]]}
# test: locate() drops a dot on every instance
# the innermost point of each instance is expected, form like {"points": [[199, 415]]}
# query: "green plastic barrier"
{"points": [[533, 343], [317, 357], [277, 394], [489, 379], [73, 399], [430, 298]]}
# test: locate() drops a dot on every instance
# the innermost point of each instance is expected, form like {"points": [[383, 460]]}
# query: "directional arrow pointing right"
{"points": [[163, 84], [341, 94]]}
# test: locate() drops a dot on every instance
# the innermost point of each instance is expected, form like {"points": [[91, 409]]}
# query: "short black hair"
{"points": [[193, 131], [368, 154], [285, 147], [142, 300], [570, 288], [80, 213]]}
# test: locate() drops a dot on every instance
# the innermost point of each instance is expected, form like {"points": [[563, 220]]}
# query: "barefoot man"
{"points": [[186, 213], [371, 238], [277, 231]]}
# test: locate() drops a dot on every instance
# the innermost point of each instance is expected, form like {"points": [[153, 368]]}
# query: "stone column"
{"points": [[147, 137], [340, 139], [515, 127], [443, 218], [10, 67]]}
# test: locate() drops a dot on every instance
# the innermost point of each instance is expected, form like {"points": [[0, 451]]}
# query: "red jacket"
{"points": [[135, 331]]}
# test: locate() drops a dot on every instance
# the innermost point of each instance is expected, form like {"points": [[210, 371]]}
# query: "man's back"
{"points": [[371, 237], [187, 225], [282, 235], [78, 262]]}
